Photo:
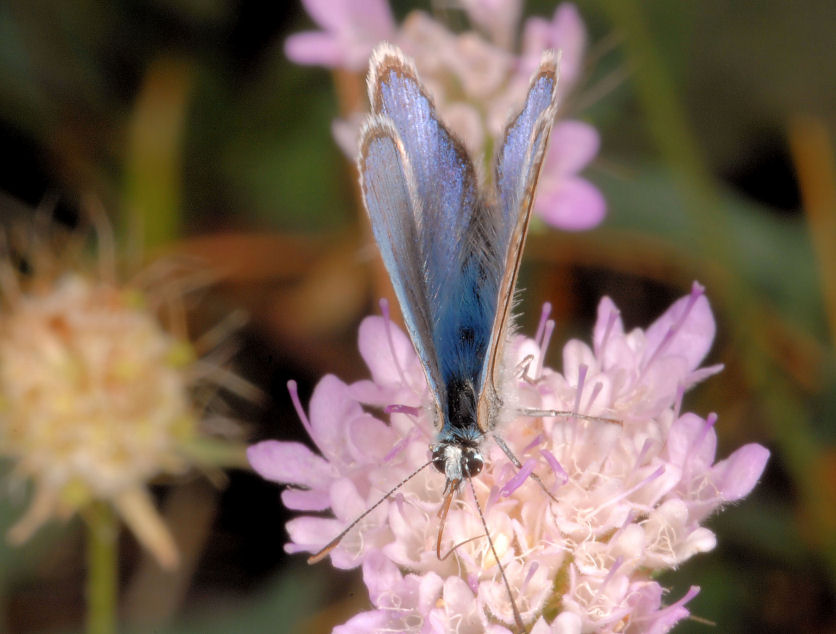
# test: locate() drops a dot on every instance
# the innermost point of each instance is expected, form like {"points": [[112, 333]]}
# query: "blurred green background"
{"points": [[188, 123]]}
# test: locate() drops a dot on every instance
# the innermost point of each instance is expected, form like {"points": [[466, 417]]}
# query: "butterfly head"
{"points": [[457, 459]]}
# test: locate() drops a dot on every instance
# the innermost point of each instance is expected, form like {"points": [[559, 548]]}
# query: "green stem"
{"points": [[102, 533]]}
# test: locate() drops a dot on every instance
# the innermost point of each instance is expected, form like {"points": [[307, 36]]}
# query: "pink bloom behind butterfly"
{"points": [[476, 78]]}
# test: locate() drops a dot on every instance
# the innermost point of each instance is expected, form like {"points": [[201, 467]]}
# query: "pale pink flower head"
{"points": [[477, 79], [626, 483], [350, 30], [565, 33], [100, 384], [564, 199]]}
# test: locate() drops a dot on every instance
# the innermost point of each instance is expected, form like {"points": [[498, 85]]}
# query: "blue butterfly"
{"points": [[452, 251], [451, 248]]}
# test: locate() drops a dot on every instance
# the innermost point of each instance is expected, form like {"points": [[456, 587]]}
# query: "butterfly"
{"points": [[452, 248]]}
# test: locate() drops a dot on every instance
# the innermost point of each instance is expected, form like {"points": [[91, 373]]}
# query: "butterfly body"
{"points": [[452, 249]]}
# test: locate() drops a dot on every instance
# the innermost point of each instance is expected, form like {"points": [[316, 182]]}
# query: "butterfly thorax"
{"points": [[456, 450]]}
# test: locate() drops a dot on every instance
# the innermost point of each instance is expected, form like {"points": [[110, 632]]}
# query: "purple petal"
{"points": [[429, 591], [571, 203], [368, 440], [521, 476], [289, 463], [608, 324], [568, 37], [565, 33], [669, 616], [365, 622], [381, 576], [573, 145], [557, 468], [458, 596], [300, 500], [535, 39], [690, 444], [738, 474], [351, 29], [351, 17], [309, 534], [386, 350], [677, 333], [330, 409], [315, 48], [327, 13]]}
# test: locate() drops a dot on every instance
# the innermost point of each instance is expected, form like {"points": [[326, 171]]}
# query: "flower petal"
{"points": [[566, 623], [686, 329], [738, 474], [573, 144], [572, 204], [331, 408], [300, 500], [289, 463], [314, 48], [365, 622], [386, 349]]}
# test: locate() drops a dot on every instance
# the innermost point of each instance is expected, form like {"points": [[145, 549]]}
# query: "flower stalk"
{"points": [[102, 569]]}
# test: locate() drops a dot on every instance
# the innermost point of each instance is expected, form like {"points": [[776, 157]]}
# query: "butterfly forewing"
{"points": [[455, 237], [391, 201], [517, 170]]}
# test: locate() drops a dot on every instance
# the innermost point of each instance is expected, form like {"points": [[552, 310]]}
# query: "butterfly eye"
{"points": [[471, 462], [440, 458]]}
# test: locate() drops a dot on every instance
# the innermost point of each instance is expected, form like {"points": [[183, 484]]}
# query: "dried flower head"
{"points": [[624, 500], [96, 398]]}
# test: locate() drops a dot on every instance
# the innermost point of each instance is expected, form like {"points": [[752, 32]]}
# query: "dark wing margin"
{"points": [[517, 169], [392, 203]]}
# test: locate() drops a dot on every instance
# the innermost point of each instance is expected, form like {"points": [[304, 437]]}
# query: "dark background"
{"points": [[717, 163]]}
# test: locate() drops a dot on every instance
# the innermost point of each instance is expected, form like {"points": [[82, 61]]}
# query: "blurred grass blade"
{"points": [[816, 167], [153, 188]]}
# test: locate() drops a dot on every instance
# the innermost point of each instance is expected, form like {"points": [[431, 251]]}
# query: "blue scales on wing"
{"points": [[445, 246]]}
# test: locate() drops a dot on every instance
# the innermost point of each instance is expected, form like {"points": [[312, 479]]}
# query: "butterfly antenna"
{"points": [[459, 545], [517, 616], [321, 554]]}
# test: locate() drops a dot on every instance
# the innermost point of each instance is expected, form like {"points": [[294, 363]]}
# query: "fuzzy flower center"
{"points": [[93, 396]]}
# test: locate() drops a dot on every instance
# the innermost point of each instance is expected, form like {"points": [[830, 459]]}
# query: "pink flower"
{"points": [[498, 19], [476, 81], [351, 28], [563, 198], [565, 33], [628, 500]]}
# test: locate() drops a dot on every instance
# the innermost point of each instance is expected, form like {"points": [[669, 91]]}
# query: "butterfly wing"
{"points": [[391, 199], [517, 170], [445, 208]]}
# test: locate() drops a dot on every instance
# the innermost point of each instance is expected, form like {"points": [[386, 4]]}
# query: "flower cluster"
{"points": [[476, 79], [621, 499], [96, 398]]}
